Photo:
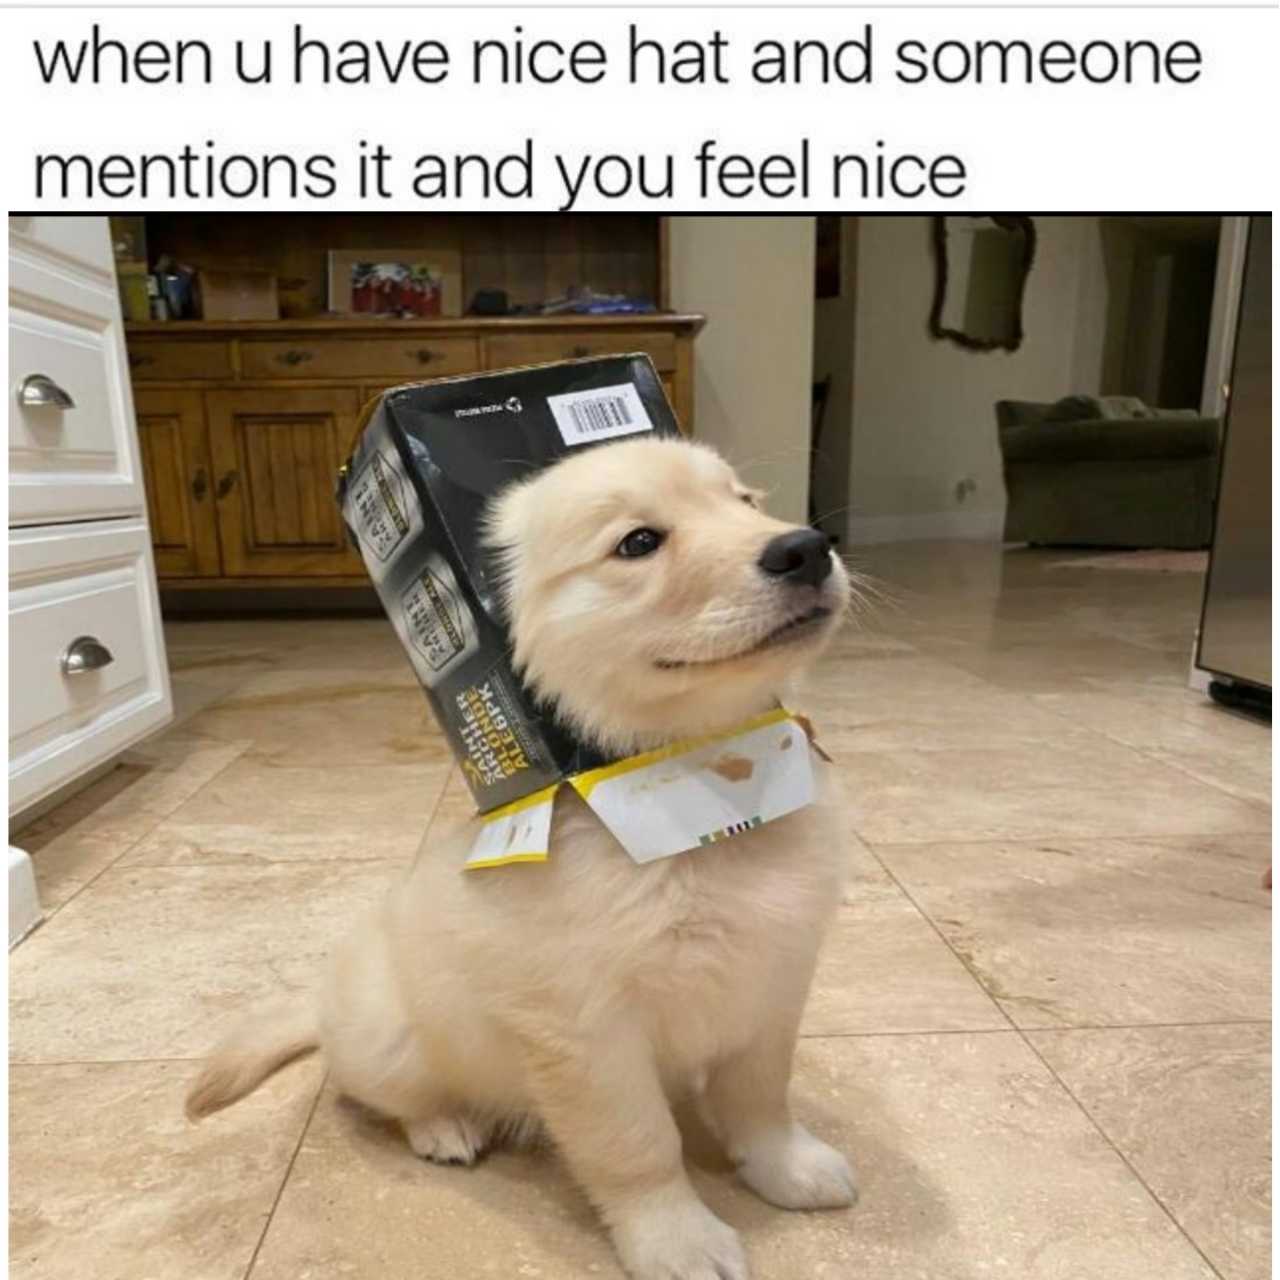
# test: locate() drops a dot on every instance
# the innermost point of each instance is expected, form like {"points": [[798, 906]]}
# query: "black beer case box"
{"points": [[429, 458]]}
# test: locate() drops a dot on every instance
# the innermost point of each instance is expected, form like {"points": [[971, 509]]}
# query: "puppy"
{"points": [[648, 599]]}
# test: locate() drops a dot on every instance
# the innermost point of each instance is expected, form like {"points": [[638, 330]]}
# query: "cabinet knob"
{"points": [[199, 485], [294, 357], [37, 391], [226, 484], [137, 360], [579, 351], [85, 654], [424, 355]]}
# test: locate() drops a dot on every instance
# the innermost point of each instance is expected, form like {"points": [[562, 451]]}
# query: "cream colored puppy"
{"points": [[650, 599]]}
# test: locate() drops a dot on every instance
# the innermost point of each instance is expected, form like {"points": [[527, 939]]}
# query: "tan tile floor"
{"points": [[1040, 1026]]}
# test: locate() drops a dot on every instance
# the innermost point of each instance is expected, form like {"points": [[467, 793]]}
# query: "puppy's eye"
{"points": [[747, 498], [639, 542]]}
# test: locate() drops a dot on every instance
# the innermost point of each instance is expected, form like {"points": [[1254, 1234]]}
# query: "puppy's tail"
{"points": [[256, 1049]]}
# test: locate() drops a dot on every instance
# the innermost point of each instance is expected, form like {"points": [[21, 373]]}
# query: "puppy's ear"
{"points": [[505, 519], [503, 532]]}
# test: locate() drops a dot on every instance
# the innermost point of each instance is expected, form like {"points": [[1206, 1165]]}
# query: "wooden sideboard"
{"points": [[243, 425]]}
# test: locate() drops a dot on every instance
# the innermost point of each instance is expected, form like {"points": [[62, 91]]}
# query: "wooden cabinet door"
{"points": [[276, 454], [178, 474]]}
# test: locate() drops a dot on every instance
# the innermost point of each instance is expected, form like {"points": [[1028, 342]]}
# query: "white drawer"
{"points": [[83, 242], [78, 462], [65, 583]]}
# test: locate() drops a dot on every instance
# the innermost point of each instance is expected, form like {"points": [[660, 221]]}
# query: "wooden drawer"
{"points": [[66, 582], [170, 360], [75, 460], [512, 350], [408, 357]]}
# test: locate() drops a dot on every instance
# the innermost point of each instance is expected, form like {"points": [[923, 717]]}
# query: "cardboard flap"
{"points": [[659, 807], [666, 802]]}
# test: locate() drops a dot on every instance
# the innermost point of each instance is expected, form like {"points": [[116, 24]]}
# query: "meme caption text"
{"points": [[857, 71]]}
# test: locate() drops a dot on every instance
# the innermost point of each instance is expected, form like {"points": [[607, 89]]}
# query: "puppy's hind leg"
{"points": [[375, 1053], [379, 1058], [447, 1139]]}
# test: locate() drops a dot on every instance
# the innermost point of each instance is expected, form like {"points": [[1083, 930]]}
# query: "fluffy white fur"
{"points": [[585, 995]]}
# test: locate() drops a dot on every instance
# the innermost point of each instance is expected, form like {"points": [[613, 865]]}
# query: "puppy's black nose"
{"points": [[799, 555]]}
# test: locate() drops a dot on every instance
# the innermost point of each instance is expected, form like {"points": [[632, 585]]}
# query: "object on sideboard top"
{"points": [[238, 295], [490, 302], [580, 300], [417, 284], [173, 292], [129, 239], [587, 302]]}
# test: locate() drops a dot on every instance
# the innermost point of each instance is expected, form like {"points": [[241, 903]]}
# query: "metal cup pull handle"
{"points": [[85, 654], [38, 391]]}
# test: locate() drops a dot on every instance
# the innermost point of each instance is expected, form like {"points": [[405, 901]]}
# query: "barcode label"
{"points": [[600, 414]]}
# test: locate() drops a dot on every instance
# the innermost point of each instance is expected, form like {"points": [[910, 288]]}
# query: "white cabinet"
{"points": [[72, 438], [87, 670], [83, 244]]}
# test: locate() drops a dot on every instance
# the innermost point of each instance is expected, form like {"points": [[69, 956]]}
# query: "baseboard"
{"points": [[971, 526], [24, 902], [1197, 677]]}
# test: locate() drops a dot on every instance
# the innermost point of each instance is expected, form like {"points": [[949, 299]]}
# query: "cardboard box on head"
{"points": [[414, 493]]}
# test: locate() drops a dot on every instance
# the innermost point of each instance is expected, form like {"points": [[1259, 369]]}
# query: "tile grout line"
{"points": [[27, 1064], [47, 917], [1155, 837], [1084, 1111], [292, 862], [435, 808], [284, 1181], [1002, 1031], [1148, 753], [198, 864], [97, 1062], [1128, 1164]]}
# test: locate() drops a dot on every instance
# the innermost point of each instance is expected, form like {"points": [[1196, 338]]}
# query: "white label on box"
{"points": [[435, 623], [382, 510], [680, 798], [518, 832], [665, 802], [587, 416]]}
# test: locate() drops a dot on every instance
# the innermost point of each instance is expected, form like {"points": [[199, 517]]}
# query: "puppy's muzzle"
{"points": [[801, 557]]}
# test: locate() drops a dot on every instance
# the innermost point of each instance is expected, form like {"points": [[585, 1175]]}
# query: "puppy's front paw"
{"points": [[678, 1241], [445, 1139], [794, 1170]]}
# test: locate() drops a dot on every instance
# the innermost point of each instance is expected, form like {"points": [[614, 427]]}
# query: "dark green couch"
{"points": [[1107, 482]]}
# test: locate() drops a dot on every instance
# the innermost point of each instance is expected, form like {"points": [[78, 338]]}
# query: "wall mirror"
{"points": [[981, 264]]}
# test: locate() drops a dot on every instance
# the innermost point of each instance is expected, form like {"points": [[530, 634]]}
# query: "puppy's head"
{"points": [[648, 596]]}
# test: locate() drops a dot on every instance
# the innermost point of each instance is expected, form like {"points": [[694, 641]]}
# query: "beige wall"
{"points": [[924, 460], [753, 277]]}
